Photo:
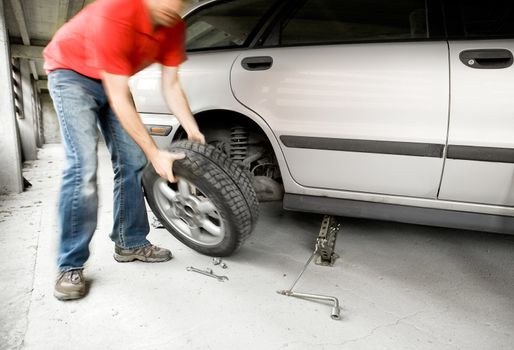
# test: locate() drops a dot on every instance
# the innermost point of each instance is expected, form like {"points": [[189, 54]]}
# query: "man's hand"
{"points": [[162, 162], [196, 136]]}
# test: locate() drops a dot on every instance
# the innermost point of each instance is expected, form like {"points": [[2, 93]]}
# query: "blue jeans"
{"points": [[82, 108]]}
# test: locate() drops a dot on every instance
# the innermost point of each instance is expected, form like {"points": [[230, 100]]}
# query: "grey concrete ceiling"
{"points": [[32, 23]]}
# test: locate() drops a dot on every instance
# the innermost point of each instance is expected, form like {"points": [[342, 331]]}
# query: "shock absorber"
{"points": [[238, 143]]}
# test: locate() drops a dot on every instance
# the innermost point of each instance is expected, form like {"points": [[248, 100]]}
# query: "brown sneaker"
{"points": [[70, 285], [148, 253]]}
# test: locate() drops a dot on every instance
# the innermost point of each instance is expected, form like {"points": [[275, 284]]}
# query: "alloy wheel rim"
{"points": [[189, 212]]}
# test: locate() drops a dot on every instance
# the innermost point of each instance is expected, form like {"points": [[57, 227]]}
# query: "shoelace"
{"points": [[148, 250]]}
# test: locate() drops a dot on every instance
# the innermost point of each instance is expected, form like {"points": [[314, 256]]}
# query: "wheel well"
{"points": [[244, 141], [221, 119]]}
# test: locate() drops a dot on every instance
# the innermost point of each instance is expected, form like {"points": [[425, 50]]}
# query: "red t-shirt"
{"points": [[115, 36]]}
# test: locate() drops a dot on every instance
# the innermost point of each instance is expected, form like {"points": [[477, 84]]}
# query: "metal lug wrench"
{"points": [[335, 313], [207, 272]]}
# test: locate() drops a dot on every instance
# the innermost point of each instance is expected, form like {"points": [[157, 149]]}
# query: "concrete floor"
{"points": [[400, 286]]}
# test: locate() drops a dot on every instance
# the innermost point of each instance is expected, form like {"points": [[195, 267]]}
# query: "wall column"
{"points": [[10, 157]]}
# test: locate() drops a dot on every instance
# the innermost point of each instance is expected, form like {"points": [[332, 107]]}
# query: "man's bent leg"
{"points": [[130, 219], [76, 101]]}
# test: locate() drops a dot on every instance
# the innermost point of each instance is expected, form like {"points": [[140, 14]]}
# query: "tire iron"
{"points": [[207, 272]]}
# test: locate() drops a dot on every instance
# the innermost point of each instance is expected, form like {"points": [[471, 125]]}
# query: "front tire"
{"points": [[212, 208]]}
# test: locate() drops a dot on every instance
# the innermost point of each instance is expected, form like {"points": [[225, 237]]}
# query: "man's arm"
{"points": [[177, 103], [118, 92]]}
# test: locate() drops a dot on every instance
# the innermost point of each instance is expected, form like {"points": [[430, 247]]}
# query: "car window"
{"points": [[492, 18], [224, 24], [329, 21]]}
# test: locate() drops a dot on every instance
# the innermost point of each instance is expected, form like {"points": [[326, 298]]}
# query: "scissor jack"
{"points": [[324, 250]]}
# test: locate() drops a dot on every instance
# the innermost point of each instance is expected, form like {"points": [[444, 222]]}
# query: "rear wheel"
{"points": [[212, 208]]}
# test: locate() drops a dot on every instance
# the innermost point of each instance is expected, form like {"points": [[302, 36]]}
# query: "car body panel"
{"points": [[388, 92], [203, 76]]}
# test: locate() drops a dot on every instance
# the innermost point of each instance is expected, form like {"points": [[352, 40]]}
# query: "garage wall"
{"points": [[51, 129]]}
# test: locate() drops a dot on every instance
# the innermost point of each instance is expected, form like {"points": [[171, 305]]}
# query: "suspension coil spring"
{"points": [[238, 143]]}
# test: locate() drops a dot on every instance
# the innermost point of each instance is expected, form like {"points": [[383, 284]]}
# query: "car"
{"points": [[393, 110]]}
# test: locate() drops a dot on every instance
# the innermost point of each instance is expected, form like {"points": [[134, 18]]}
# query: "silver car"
{"points": [[395, 110]]}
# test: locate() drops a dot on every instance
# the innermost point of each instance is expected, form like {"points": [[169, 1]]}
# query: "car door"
{"points": [[480, 164], [356, 91]]}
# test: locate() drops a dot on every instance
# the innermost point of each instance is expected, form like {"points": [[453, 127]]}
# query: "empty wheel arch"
{"points": [[246, 143]]}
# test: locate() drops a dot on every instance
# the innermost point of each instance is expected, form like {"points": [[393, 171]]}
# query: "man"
{"points": [[89, 61]]}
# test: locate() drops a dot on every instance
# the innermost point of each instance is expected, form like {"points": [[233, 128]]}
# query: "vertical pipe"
{"points": [[27, 126]]}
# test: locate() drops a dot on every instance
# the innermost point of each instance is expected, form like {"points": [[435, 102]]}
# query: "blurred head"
{"points": [[165, 12]]}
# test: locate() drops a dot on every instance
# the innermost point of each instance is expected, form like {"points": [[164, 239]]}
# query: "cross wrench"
{"points": [[207, 272]]}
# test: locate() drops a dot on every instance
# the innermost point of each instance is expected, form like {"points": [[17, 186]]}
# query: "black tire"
{"points": [[219, 180]]}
